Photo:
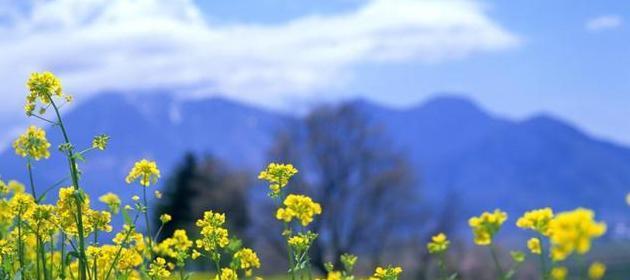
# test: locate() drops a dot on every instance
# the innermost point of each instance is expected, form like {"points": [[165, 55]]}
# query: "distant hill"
{"points": [[455, 146]]}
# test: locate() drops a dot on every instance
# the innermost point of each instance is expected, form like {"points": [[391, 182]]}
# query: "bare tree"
{"points": [[366, 188]]}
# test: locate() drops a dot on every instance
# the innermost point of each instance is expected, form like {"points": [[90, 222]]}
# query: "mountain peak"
{"points": [[451, 103]]}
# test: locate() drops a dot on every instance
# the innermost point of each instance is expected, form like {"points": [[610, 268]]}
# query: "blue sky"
{"points": [[516, 58]]}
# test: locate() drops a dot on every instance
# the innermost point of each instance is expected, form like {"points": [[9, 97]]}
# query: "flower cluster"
{"points": [[573, 231], [300, 207], [438, 244], [278, 176], [537, 220], [486, 226], [387, 273], [246, 259], [213, 234], [43, 87], [146, 171], [32, 143]]}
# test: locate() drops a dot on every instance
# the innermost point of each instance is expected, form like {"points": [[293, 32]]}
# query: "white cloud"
{"points": [[603, 23], [96, 45]]}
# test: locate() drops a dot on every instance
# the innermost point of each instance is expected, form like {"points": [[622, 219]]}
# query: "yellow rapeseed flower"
{"points": [[596, 271], [534, 245], [573, 231], [247, 260], [439, 244], [537, 220], [300, 207], [278, 176], [158, 269], [333, 275], [165, 218], [227, 274], [387, 273], [146, 171], [559, 273], [43, 87], [112, 201], [213, 235], [32, 143], [486, 226]]}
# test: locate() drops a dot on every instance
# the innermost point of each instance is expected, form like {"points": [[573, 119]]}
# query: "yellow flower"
{"points": [[158, 194], [32, 143], [247, 260], [43, 87], [486, 226], [195, 254], [334, 275], [227, 274], [387, 273], [146, 171], [537, 220], [573, 231], [100, 142], [176, 247], [559, 273], [534, 245], [158, 269], [112, 201], [302, 241], [165, 218], [439, 243], [299, 206], [278, 176], [596, 271], [213, 235], [6, 249]]}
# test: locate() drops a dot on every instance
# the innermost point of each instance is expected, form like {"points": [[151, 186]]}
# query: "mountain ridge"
{"points": [[451, 141]]}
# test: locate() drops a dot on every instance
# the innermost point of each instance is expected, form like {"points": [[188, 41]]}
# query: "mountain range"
{"points": [[467, 158]]}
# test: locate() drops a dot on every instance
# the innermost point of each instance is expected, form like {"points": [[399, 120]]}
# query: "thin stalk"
{"points": [[289, 254], [543, 265], [94, 269], [52, 261], [20, 246], [146, 220], [42, 255], [217, 266], [181, 272], [30, 177], [75, 182], [442, 266], [111, 266], [500, 272], [63, 251]]}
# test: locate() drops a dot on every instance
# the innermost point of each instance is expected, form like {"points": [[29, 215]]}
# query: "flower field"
{"points": [[55, 234]]}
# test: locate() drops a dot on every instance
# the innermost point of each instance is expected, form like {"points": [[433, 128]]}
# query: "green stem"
{"points": [[75, 182], [500, 272], [94, 269], [442, 266], [20, 246], [117, 256], [63, 251], [217, 266], [146, 221], [289, 253], [30, 177], [543, 265]]}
